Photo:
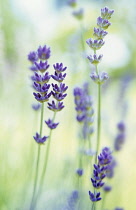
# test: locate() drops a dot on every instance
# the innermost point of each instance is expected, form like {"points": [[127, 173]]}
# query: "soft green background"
{"points": [[24, 25]]}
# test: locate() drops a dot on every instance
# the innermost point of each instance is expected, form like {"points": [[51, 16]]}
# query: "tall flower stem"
{"points": [[46, 158], [38, 158], [98, 121]]}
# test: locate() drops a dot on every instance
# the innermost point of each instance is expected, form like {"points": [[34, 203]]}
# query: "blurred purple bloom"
{"points": [[110, 169], [44, 52], [121, 126], [40, 140], [106, 13], [72, 3], [78, 14], [79, 172], [51, 124], [103, 23], [95, 44], [99, 33], [118, 208], [121, 136], [36, 106], [95, 59], [42, 97], [33, 57], [94, 196], [55, 107], [107, 188]]}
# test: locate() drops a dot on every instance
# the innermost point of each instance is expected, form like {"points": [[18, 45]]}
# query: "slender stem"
{"points": [[92, 208], [98, 121], [46, 158], [38, 158]]}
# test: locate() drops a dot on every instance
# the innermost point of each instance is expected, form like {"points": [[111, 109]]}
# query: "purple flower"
{"points": [[103, 23], [44, 52], [95, 59], [42, 97], [99, 33], [97, 184], [41, 79], [33, 68], [94, 196], [56, 107], [72, 3], [121, 126], [117, 208], [107, 188], [106, 13], [78, 14], [110, 169], [51, 124], [42, 66], [40, 140], [121, 136], [61, 88], [36, 106], [72, 201], [79, 172], [59, 67], [95, 44], [41, 88], [99, 78], [105, 157], [58, 77], [59, 96], [83, 102], [33, 57]]}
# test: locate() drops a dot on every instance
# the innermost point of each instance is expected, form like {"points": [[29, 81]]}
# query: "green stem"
{"points": [[98, 122], [37, 162], [46, 159]]}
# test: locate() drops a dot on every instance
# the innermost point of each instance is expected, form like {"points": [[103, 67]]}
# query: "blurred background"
{"points": [[24, 25]]}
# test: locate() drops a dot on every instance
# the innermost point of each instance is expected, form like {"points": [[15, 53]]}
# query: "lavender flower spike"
{"points": [[105, 157], [51, 124], [95, 59], [95, 44], [40, 140], [42, 98], [103, 23], [106, 13]]}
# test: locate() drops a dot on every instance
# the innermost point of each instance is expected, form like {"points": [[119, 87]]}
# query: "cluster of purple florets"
{"points": [[120, 138], [79, 12], [84, 109], [44, 90], [95, 44], [99, 173]]}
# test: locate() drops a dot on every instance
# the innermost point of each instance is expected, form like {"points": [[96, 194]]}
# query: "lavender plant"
{"points": [[39, 61], [99, 77]]}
